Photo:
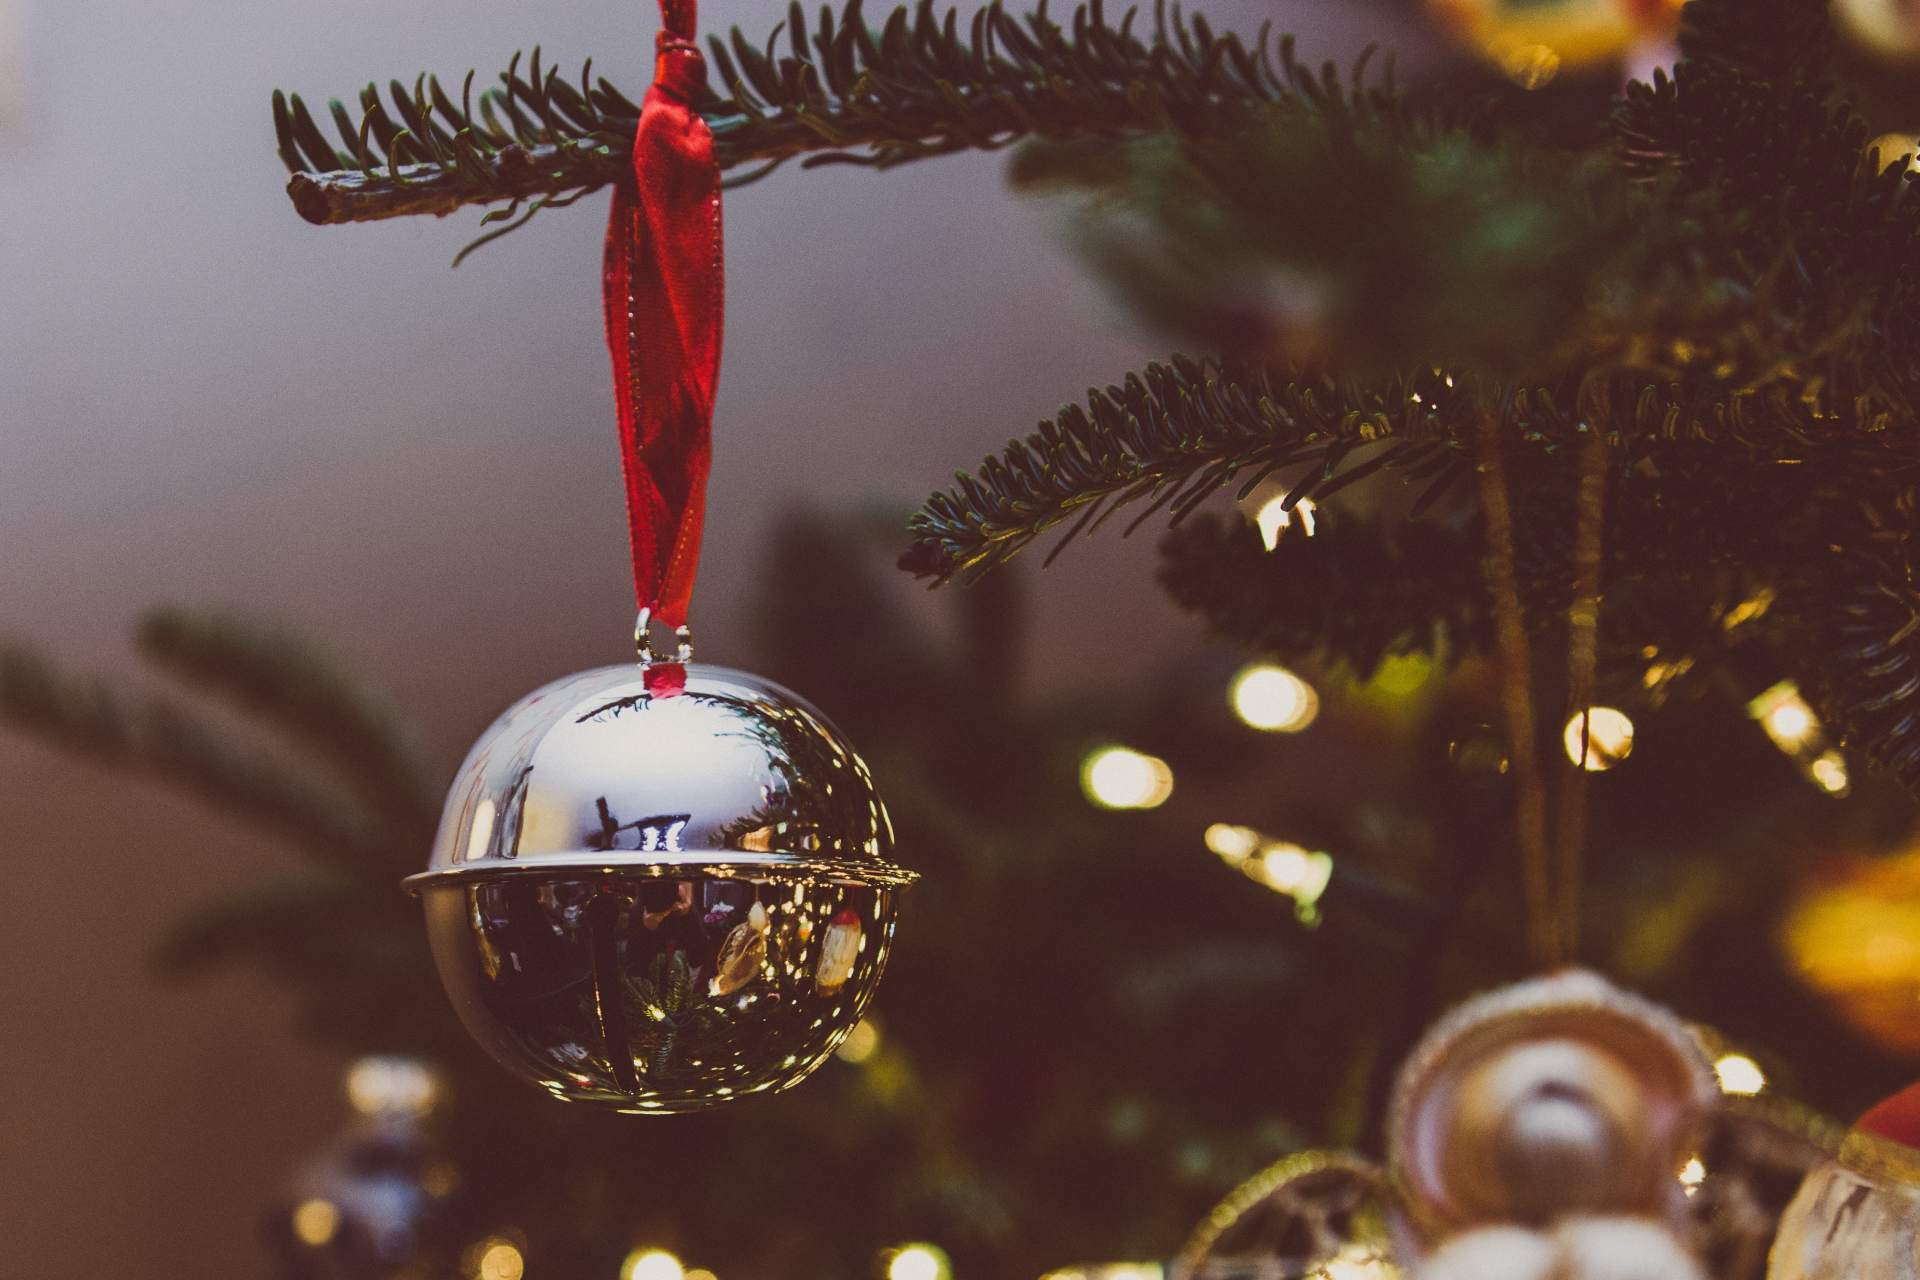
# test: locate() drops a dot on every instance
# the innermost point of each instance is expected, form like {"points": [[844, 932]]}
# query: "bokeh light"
{"points": [[919, 1262], [861, 1043], [652, 1264], [1829, 772], [1121, 778], [500, 1260], [1609, 739], [1280, 865], [387, 1085], [1692, 1175], [1273, 699], [1110, 1271], [315, 1221], [1739, 1075], [1274, 519]]}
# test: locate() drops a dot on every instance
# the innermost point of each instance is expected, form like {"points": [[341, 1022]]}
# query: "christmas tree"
{"points": [[1640, 361]]}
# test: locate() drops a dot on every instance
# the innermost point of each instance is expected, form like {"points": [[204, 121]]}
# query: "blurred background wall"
{"points": [[204, 399]]}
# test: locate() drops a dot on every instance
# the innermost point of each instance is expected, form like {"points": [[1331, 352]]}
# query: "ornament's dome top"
{"points": [[732, 774]]}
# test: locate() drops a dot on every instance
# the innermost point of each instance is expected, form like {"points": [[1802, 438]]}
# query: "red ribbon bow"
{"points": [[664, 288]]}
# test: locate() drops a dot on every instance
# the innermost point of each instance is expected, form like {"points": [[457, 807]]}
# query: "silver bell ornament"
{"points": [[661, 888]]}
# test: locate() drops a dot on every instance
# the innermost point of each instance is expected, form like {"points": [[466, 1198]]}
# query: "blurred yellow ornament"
{"points": [[1886, 28], [1531, 40], [1854, 936]]}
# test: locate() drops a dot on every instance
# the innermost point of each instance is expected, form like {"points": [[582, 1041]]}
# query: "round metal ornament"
{"points": [[661, 888]]}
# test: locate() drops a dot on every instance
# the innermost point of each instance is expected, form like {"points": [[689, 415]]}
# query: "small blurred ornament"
{"points": [[1858, 1215], [1888, 29], [1532, 40], [1300, 1217], [1853, 935], [742, 954], [839, 951], [1559, 1098], [627, 895], [372, 1203]]}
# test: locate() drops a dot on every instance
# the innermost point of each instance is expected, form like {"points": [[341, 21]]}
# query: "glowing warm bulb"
{"points": [[861, 1043], [1693, 1175], [652, 1264], [1609, 738], [918, 1262], [701, 1273], [1111, 1271], [377, 1085], [1274, 519], [315, 1221], [1235, 844], [1274, 699], [1739, 1075], [500, 1260], [1829, 773], [1119, 778], [1786, 717]]}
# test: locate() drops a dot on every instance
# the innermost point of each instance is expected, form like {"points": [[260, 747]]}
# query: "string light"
{"points": [[387, 1085], [500, 1260], [1692, 1175], [1274, 519], [1792, 725], [652, 1264], [1739, 1075], [315, 1221], [1121, 778], [1786, 717], [861, 1043], [1110, 1271], [1608, 738], [1281, 865], [1273, 699], [919, 1262], [1829, 773]]}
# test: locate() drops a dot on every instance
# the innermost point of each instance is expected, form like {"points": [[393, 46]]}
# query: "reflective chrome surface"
{"points": [[661, 901], [656, 993], [596, 771]]}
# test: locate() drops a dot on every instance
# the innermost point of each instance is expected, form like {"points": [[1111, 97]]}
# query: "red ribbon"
{"points": [[664, 288]]}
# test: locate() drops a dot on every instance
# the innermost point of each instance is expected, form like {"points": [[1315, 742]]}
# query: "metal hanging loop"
{"points": [[643, 640]]}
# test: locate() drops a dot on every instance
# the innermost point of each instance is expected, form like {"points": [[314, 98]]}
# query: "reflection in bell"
{"points": [[661, 901]]}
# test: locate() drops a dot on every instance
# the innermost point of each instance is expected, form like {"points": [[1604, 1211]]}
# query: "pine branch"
{"points": [[155, 737], [1356, 591], [285, 681], [839, 92], [1175, 434]]}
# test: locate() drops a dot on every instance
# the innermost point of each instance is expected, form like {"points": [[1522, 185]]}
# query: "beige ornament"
{"points": [[1494, 1253], [1857, 1215], [1561, 1096], [1622, 1249], [1576, 1249]]}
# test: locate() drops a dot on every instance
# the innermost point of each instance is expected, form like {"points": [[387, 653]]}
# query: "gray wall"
{"points": [[204, 399]]}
